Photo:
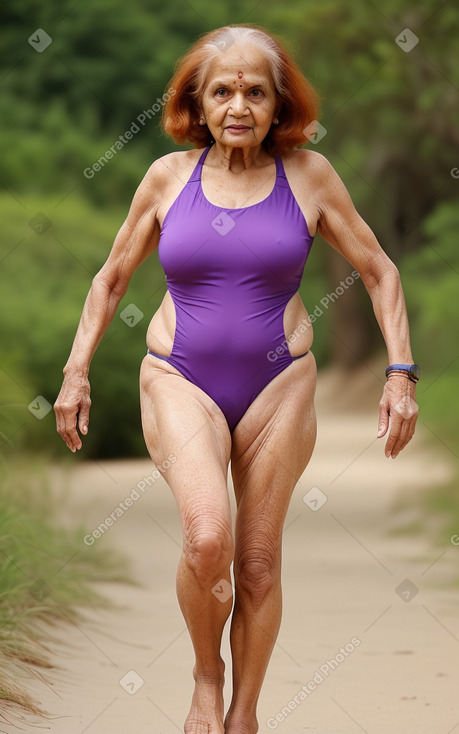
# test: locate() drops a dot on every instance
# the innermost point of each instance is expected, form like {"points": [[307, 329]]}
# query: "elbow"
{"points": [[111, 281], [378, 271]]}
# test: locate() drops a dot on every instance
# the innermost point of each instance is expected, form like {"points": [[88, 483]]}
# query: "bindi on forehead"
{"points": [[230, 80]]}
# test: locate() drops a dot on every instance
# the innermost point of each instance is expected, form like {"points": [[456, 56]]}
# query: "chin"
{"points": [[237, 139]]}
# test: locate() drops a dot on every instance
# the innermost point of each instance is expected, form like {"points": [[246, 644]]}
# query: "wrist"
{"points": [[78, 370], [402, 376], [411, 370]]}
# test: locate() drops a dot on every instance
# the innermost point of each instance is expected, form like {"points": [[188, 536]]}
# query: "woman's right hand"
{"points": [[72, 410]]}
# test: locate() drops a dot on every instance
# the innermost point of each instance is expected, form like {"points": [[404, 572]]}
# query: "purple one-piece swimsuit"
{"points": [[231, 273]]}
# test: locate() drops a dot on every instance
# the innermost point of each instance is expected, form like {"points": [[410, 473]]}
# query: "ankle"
{"points": [[239, 723], [212, 675]]}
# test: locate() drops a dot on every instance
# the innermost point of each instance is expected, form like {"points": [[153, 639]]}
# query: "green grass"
{"points": [[46, 576]]}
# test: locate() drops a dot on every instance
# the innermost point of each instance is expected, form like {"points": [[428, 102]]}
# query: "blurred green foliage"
{"points": [[392, 132], [431, 278], [45, 283]]}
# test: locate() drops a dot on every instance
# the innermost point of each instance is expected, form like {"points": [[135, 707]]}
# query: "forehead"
{"points": [[251, 61]]}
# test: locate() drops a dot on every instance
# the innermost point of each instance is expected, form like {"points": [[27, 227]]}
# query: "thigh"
{"points": [[180, 423], [272, 445]]}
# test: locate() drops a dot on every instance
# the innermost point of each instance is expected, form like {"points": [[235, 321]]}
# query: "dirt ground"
{"points": [[370, 631]]}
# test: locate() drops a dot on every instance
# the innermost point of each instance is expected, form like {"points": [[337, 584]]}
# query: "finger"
{"points": [[83, 416], [66, 427], [401, 439], [71, 437], [403, 418], [408, 409], [394, 432], [383, 420], [407, 435], [72, 440], [60, 423]]}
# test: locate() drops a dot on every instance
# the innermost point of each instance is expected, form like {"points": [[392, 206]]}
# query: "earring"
{"points": [[202, 121], [275, 121]]}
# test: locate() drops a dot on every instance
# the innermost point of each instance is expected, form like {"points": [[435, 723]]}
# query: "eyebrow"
{"points": [[221, 83]]}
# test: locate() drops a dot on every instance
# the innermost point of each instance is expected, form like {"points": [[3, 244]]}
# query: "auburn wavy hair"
{"points": [[298, 102]]}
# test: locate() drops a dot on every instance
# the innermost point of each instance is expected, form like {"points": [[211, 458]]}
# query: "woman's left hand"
{"points": [[398, 412]]}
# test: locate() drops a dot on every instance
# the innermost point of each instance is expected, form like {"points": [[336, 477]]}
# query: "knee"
{"points": [[257, 573], [208, 549]]}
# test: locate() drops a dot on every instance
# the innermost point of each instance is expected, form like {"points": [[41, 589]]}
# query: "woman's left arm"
{"points": [[342, 227]]}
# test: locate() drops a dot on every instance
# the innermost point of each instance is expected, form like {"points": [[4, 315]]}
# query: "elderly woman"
{"points": [[233, 220]]}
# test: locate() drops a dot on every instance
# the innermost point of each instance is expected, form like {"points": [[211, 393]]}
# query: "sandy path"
{"points": [[341, 571]]}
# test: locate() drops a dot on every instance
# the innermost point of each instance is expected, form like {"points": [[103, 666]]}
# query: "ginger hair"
{"points": [[298, 102]]}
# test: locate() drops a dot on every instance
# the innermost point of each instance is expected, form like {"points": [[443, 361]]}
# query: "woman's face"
{"points": [[239, 91]]}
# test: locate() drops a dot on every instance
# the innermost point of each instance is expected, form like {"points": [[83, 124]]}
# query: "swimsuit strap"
{"points": [[281, 178], [196, 175]]}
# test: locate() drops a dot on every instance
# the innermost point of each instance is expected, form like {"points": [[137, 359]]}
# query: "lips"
{"points": [[238, 130]]}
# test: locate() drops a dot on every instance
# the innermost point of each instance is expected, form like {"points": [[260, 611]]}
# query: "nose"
{"points": [[238, 104]]}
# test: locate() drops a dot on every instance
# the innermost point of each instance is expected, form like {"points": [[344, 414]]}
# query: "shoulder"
{"points": [[162, 174], [314, 172], [167, 167], [311, 164]]}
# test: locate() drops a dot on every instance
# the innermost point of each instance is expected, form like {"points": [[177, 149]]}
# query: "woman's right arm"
{"points": [[135, 241]]}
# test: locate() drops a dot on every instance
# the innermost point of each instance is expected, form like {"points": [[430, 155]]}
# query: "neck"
{"points": [[238, 159]]}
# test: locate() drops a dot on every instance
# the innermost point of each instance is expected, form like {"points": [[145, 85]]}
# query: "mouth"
{"points": [[238, 127]]}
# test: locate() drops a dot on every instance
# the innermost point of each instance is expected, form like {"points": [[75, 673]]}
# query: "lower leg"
{"points": [[205, 615], [254, 629]]}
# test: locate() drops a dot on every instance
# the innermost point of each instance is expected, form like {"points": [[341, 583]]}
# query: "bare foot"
{"points": [[240, 724], [206, 713]]}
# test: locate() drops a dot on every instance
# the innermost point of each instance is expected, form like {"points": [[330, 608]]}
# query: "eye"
{"points": [[220, 90], [257, 92]]}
